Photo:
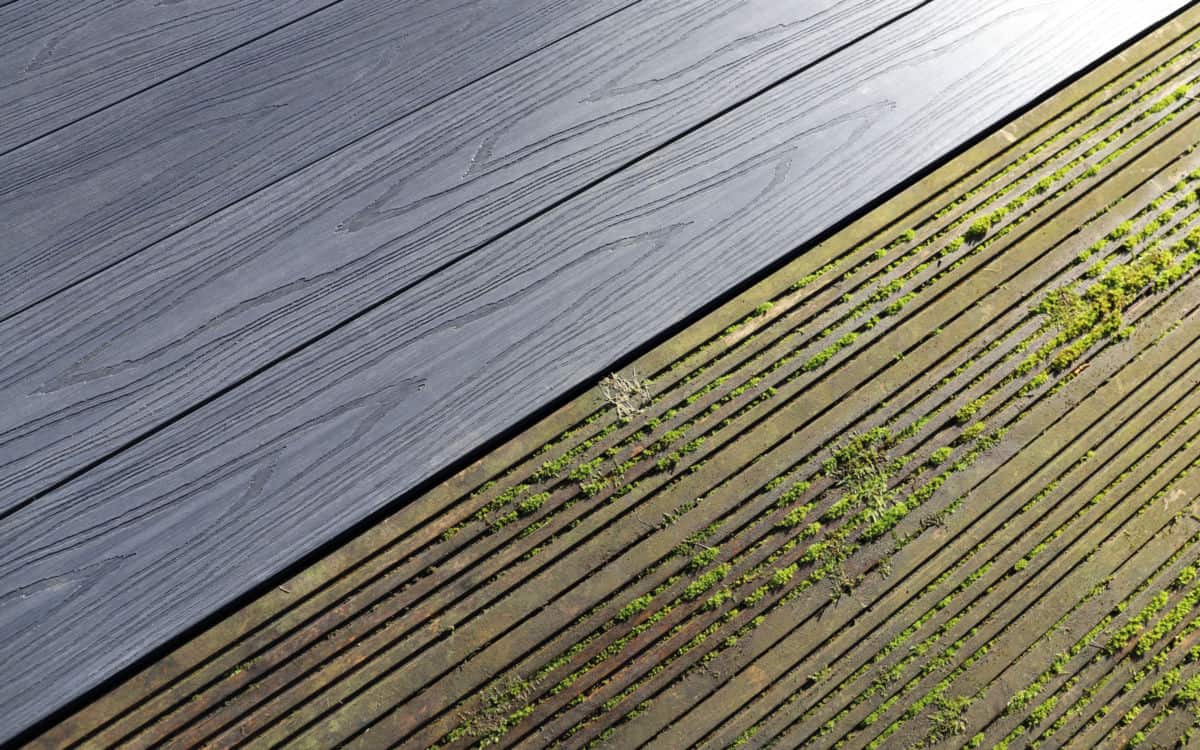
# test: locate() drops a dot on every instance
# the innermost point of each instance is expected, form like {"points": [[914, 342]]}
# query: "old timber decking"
{"points": [[269, 270]]}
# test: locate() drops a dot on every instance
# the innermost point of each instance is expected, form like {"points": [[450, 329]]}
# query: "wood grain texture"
{"points": [[112, 563], [61, 60], [111, 184], [135, 345]]}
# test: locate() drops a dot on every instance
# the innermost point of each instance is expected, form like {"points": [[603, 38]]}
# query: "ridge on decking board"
{"points": [[64, 59], [704, 573], [305, 436]]}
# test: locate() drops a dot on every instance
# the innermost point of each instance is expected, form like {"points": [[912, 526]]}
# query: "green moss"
{"points": [[634, 607], [1189, 693], [1169, 622], [781, 577], [1163, 685], [1186, 576], [701, 559], [967, 411], [716, 600], [706, 581], [794, 493], [1126, 634], [978, 229], [794, 517], [532, 504], [974, 431]]}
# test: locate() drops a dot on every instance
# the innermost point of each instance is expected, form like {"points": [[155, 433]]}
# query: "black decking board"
{"points": [[63, 59], [114, 561], [115, 182], [135, 345]]}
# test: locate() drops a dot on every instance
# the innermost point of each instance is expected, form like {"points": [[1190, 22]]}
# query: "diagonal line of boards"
{"points": [[108, 565], [63, 59], [134, 346], [104, 188]]}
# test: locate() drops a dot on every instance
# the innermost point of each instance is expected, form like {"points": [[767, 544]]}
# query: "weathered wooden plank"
{"points": [[61, 59], [133, 346], [106, 187], [100, 569]]}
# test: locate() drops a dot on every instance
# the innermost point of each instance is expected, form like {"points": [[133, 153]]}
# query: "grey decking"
{"points": [[385, 213], [63, 60], [111, 185], [250, 299]]}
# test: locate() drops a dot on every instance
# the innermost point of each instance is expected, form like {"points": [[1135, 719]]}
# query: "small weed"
{"points": [[947, 720], [501, 706]]}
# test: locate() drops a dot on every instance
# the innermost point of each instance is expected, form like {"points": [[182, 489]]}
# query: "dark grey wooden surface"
{"points": [[107, 187], [61, 60], [305, 356], [133, 346]]}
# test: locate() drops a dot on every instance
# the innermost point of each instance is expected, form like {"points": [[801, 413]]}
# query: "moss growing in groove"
{"points": [[701, 559], [1189, 693], [706, 581], [531, 504], [1186, 576], [978, 229], [1126, 634]]}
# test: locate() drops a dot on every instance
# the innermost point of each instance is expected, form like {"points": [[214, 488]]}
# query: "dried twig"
{"points": [[630, 395]]}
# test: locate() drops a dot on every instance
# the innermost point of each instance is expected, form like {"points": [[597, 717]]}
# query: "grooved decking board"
{"points": [[651, 581], [61, 60], [111, 563], [197, 312], [113, 183]]}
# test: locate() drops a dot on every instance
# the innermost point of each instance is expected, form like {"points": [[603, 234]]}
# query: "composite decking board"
{"points": [[115, 561], [63, 59], [133, 346], [107, 186]]}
